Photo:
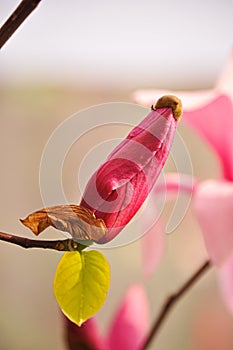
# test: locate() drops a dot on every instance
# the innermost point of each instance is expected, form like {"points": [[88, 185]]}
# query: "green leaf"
{"points": [[81, 284]]}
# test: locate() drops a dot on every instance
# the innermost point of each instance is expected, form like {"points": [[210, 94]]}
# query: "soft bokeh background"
{"points": [[70, 55]]}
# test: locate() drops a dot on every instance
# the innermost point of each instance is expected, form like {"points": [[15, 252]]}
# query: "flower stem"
{"points": [[172, 300], [60, 245], [24, 9]]}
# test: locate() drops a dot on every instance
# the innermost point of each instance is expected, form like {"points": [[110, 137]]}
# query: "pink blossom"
{"points": [[213, 199], [210, 113], [85, 337], [213, 206], [127, 330], [196, 99], [212, 118], [214, 122], [119, 187], [130, 324], [153, 242], [226, 282]]}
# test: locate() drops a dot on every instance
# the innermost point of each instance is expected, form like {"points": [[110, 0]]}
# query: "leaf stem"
{"points": [[60, 245], [172, 300], [23, 10]]}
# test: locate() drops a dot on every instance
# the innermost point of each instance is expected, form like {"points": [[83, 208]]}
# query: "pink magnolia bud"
{"points": [[116, 191], [85, 337]]}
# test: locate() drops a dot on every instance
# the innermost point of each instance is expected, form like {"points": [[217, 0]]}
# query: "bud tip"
{"points": [[170, 101]]}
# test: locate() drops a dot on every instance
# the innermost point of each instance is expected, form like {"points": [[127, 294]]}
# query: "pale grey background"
{"points": [[180, 44]]}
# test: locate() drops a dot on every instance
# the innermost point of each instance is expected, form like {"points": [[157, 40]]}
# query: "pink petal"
{"points": [[214, 122], [194, 99], [190, 100], [213, 205], [131, 322], [226, 282], [85, 337], [154, 240], [174, 182], [225, 82], [153, 244], [120, 186]]}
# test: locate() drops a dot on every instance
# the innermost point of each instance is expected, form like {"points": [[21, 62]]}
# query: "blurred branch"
{"points": [[172, 300], [24, 9], [60, 245]]}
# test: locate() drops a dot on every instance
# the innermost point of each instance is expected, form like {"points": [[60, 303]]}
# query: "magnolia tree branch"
{"points": [[25, 8], [172, 300], [60, 245]]}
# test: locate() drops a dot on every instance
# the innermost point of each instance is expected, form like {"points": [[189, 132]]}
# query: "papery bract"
{"points": [[120, 186], [79, 222]]}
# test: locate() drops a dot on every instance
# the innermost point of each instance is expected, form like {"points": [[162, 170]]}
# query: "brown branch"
{"points": [[60, 245], [172, 300], [24, 9]]}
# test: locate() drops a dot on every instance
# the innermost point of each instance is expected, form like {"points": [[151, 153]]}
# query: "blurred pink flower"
{"points": [[210, 113], [214, 122], [127, 330], [213, 200], [213, 206], [153, 242], [119, 187], [226, 282], [130, 324], [85, 337], [192, 99]]}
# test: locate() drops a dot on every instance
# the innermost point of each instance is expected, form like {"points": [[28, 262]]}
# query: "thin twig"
{"points": [[24, 9], [60, 245], [172, 300]]}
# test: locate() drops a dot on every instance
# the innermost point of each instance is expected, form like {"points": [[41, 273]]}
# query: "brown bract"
{"points": [[170, 101], [80, 222]]}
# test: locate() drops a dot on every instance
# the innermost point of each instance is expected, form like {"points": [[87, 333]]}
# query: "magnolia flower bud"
{"points": [[116, 191]]}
